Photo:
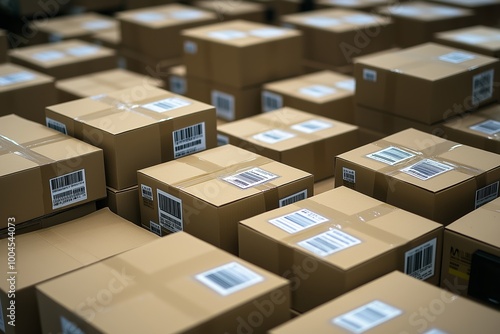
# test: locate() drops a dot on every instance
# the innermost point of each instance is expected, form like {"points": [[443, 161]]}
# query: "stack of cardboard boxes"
{"points": [[363, 5], [236, 10], [485, 11]]}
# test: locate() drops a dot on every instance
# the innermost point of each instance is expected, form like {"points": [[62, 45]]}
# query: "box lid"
{"points": [[74, 26], [478, 36], [225, 8], [14, 77], [423, 11], [484, 122]]}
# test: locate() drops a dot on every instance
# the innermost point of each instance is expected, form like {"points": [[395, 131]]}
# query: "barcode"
{"points": [[147, 192], [273, 136], [390, 155], [67, 189], [17, 77], [178, 85], [155, 228], [293, 198], [68, 327], [329, 242], [224, 105], [369, 75], [229, 278], [250, 178], [367, 316], [271, 101], [489, 127], [426, 169], [167, 104], [189, 140], [482, 86], [312, 126], [486, 194], [348, 175], [298, 220], [58, 126], [420, 261], [456, 57], [222, 140], [169, 211], [317, 91]]}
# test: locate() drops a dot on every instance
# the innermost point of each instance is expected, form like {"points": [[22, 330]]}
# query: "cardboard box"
{"points": [[206, 194], [140, 63], [293, 137], [395, 303], [65, 59], [125, 203], [97, 5], [367, 136], [199, 290], [479, 39], [177, 82], [110, 38], [17, 83], [363, 5], [436, 178], [133, 4], [4, 46], [486, 11], [241, 10], [137, 128], [324, 185], [334, 242], [471, 255], [241, 53], [443, 77], [326, 93], [335, 36], [46, 254], [46, 169]]}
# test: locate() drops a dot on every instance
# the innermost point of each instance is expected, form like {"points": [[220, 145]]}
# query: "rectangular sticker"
{"points": [[348, 175], [360, 19], [486, 194], [46, 56], [298, 221], [273, 136], [82, 51], [301, 195], [15, 78], [369, 75], [267, 32], [58, 126], [167, 104], [321, 21], [482, 86], [227, 35], [97, 25], [329, 242], [149, 17], [178, 85], [390, 155], [155, 228], [456, 57], [224, 105], [250, 178], [147, 195], [349, 85], [187, 14], [271, 101], [489, 127], [420, 261], [317, 91], [169, 211], [312, 126], [68, 189], [189, 140], [426, 169]]}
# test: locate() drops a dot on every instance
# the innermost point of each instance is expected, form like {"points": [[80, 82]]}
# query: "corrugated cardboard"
{"points": [[176, 81], [367, 136], [202, 194], [43, 171], [241, 10], [295, 138], [486, 11], [324, 185], [125, 203], [425, 83], [51, 252], [424, 174], [4, 46], [479, 39], [137, 127], [143, 64], [396, 303], [334, 242], [168, 292], [364, 5]]}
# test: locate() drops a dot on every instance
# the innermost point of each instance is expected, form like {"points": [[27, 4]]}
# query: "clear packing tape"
{"points": [[25, 150]]}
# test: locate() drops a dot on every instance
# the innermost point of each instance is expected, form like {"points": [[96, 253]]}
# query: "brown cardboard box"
{"points": [[4, 46], [65, 59], [486, 11], [364, 5], [334, 242], [133, 4], [110, 38], [137, 128], [324, 185], [240, 10], [199, 290], [125, 203], [43, 255], [425, 82], [324, 93], [97, 5], [46, 169], [143, 64], [479, 39], [396, 303], [367, 136], [17, 83], [417, 21], [241, 53], [293, 137], [177, 82], [335, 36], [424, 174], [206, 194], [471, 255], [310, 66]]}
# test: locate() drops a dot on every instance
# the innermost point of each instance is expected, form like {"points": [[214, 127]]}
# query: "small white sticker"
{"points": [[456, 57], [482, 86], [369, 75], [189, 140], [273, 136], [97, 25], [349, 85], [250, 178], [227, 35], [15, 78], [298, 221], [146, 192], [301, 195], [420, 261], [322, 22], [390, 155], [267, 32], [190, 47], [177, 84], [222, 140], [150, 17], [83, 51], [312, 126], [224, 105], [169, 211], [188, 14], [56, 125], [68, 189], [360, 19], [329, 242], [471, 38], [489, 127], [167, 104], [348, 175], [317, 91], [271, 101], [486, 194], [426, 169], [155, 228], [46, 56], [68, 327]]}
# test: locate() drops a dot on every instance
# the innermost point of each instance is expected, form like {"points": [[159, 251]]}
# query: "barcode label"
{"points": [[15, 78], [177, 85], [349, 85], [46, 56], [456, 57], [68, 189], [369, 75], [486, 194], [155, 228], [190, 47], [321, 21], [82, 51], [224, 104], [329, 242], [293, 198], [222, 140], [367, 316], [250, 178], [312, 126], [97, 25], [229, 278], [348, 175], [167, 104], [189, 140], [482, 86], [169, 211], [227, 35], [267, 32], [53, 124], [271, 101], [390, 155], [420, 261], [298, 221], [273, 136], [149, 17], [68, 327], [188, 14], [489, 127], [146, 192], [426, 169], [317, 91]]}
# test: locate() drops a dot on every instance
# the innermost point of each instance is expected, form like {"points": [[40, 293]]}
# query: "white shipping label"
{"points": [[229, 278], [486, 194], [222, 140], [489, 127], [155, 228], [271, 101], [190, 47], [267, 32], [2, 321], [348, 175], [178, 85], [68, 327], [97, 25], [329, 242], [83, 51], [420, 261], [426, 169], [312, 126], [482, 86], [321, 21], [471, 38], [46, 56], [360, 19], [53, 124], [390, 155], [456, 57], [167, 104], [146, 192], [298, 221], [189, 140], [301, 195], [250, 178], [224, 105], [15, 78], [367, 316], [227, 35], [150, 17], [68, 189], [169, 211], [317, 91], [189, 14], [369, 75], [273, 136], [349, 85]]}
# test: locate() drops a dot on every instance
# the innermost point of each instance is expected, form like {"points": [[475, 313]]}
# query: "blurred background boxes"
{"points": [[4, 46], [364, 5], [486, 11], [479, 39], [234, 10]]}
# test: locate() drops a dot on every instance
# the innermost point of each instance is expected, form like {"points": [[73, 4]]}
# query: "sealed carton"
{"points": [[137, 127], [141, 63], [293, 137], [479, 39], [436, 178], [364, 5], [110, 38], [324, 185], [485, 11], [334, 242], [4, 46], [206, 194], [241, 10], [125, 203], [51, 252], [199, 290]]}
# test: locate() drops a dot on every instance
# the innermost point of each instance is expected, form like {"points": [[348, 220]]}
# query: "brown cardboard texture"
{"points": [[485, 11], [51, 252], [109, 38], [364, 5], [334, 242], [295, 138], [479, 39], [436, 178], [176, 81], [243, 10], [137, 127], [4, 46], [125, 203], [147, 65], [207, 193], [199, 290]]}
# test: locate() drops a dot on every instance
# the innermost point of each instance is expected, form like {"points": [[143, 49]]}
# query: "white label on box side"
{"points": [[222, 140], [321, 22], [273, 136], [312, 126], [189, 14], [250, 178], [82, 51], [146, 192], [482, 86], [271, 101], [367, 316], [149, 17], [15, 78], [298, 221], [167, 104], [420, 261], [349, 85], [169, 211], [178, 85], [470, 38], [53, 124], [301, 195], [486, 194], [2, 321], [426, 169], [227, 35], [390, 155], [190, 47], [348, 175], [317, 90], [97, 25], [267, 32], [68, 189], [224, 105], [155, 228], [360, 19], [489, 127], [47, 56], [189, 140], [68, 327], [456, 57], [329, 242], [369, 75]]}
